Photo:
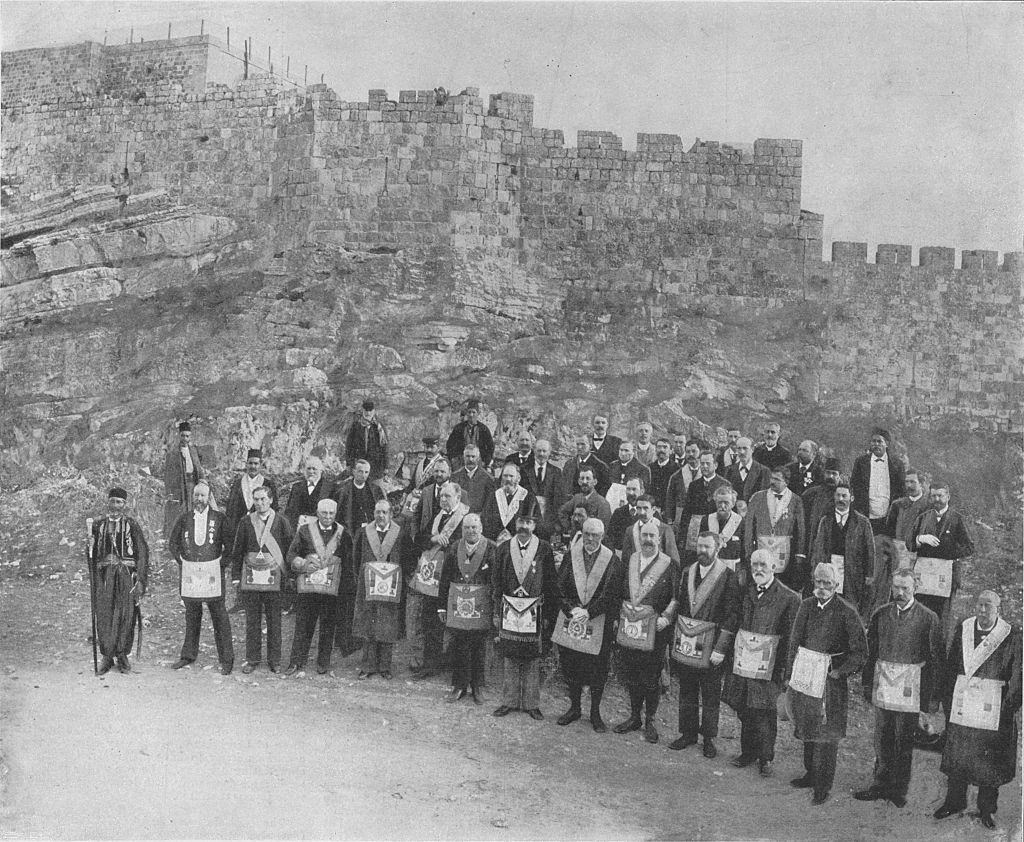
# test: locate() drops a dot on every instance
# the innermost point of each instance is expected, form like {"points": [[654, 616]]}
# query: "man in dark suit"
{"points": [[523, 457], [545, 482], [240, 501], [727, 455], [604, 445], [877, 479], [625, 515], [430, 502], [477, 483], [746, 475], [471, 431], [584, 458], [627, 467], [307, 492], [662, 469], [770, 453], [806, 470], [699, 499]]}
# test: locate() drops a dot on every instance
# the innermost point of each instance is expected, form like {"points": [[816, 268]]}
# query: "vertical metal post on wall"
{"points": [[202, 25], [229, 37], [168, 32]]}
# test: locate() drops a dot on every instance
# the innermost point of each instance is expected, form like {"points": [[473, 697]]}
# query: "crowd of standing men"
{"points": [[764, 579]]}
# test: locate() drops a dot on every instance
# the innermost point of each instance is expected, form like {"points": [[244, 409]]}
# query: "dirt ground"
{"points": [[193, 754]]}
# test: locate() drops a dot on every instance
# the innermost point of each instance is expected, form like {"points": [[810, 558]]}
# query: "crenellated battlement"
{"points": [[929, 257]]}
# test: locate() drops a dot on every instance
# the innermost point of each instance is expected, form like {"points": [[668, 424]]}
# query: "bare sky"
{"points": [[911, 114]]}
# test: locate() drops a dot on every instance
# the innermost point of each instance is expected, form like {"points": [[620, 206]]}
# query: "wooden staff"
{"points": [[92, 591]]}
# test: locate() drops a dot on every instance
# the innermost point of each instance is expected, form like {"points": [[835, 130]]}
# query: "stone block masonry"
{"points": [[430, 246]]}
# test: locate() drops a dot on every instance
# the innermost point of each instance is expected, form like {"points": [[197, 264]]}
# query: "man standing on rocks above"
{"points": [[877, 479], [604, 445], [941, 539], [119, 557], [844, 540], [367, 440], [258, 565], [182, 470], [202, 549], [471, 431], [753, 686], [770, 453]]}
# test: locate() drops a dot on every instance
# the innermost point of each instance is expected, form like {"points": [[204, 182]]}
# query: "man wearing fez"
{"points": [[422, 625], [590, 587], [471, 431], [753, 685], [464, 607], [844, 540], [476, 482], [525, 603], [588, 498], [982, 697], [182, 470], [775, 521], [646, 614], [941, 540], [119, 557], [630, 542], [367, 440], [806, 470], [378, 613], [819, 500], [423, 473], [877, 479], [321, 557], [258, 565], [903, 680], [503, 506], [240, 501], [203, 550], [827, 646]]}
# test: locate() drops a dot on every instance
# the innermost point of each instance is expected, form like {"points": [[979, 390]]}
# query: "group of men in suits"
{"points": [[704, 555]]}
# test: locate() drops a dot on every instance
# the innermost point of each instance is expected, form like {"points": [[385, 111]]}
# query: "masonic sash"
{"points": [[256, 575]]}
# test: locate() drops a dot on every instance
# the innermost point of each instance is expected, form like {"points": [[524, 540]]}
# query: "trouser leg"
{"points": [[531, 684], [988, 799], [575, 694], [956, 793], [251, 604], [384, 653], [459, 655], [596, 693], [328, 611], [689, 703], [414, 627], [477, 660], [748, 733], [809, 759], [767, 730], [511, 684], [825, 755], [711, 702], [222, 631], [343, 621], [193, 621], [433, 633], [272, 610], [651, 699], [636, 701], [305, 619], [903, 753]]}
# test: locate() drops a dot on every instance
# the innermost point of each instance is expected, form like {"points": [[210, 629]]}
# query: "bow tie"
{"points": [[778, 496], [761, 589], [879, 460]]}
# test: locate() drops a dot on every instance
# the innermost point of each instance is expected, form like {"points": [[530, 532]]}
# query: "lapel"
{"points": [[586, 586]]}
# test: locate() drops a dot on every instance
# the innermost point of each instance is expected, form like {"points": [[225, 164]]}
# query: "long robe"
{"points": [[373, 620], [985, 758], [836, 630], [120, 568], [178, 484], [773, 613]]}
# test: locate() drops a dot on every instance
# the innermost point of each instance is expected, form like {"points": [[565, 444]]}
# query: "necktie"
{"points": [[743, 472], [509, 496], [381, 536], [778, 496], [540, 476], [760, 590]]}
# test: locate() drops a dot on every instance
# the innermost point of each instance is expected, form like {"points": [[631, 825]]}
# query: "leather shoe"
{"points": [[385, 674], [225, 669], [631, 724], [502, 710], [423, 675], [105, 666], [710, 752], [807, 782], [455, 694], [478, 696], [181, 662], [598, 724], [742, 761], [945, 811], [682, 742], [819, 799], [766, 768], [535, 714], [570, 716], [363, 675], [898, 801], [292, 669], [869, 794], [322, 670], [272, 667], [650, 733], [123, 665], [248, 669], [988, 821]]}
